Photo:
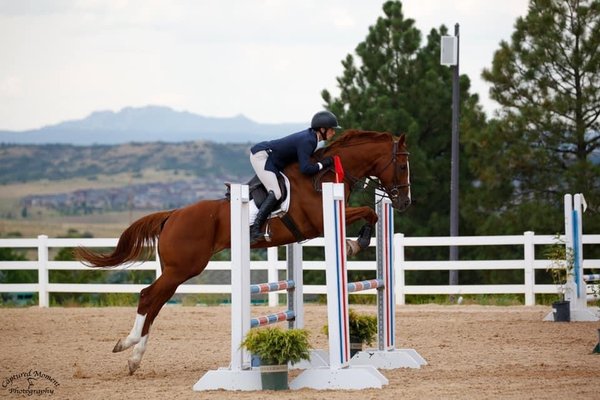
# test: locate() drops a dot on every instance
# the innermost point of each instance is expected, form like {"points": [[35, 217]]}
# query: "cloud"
{"points": [[11, 86], [266, 59]]}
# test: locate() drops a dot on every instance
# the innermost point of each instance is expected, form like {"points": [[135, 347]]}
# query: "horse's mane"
{"points": [[349, 137]]}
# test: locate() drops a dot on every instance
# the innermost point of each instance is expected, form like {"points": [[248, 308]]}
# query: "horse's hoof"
{"points": [[133, 366], [119, 346]]}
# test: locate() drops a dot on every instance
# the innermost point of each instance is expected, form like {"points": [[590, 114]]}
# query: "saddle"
{"points": [[258, 194]]}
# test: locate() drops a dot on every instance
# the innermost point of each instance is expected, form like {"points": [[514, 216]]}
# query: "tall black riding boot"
{"points": [[265, 209]]}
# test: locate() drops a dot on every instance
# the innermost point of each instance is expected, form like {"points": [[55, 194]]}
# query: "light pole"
{"points": [[450, 57]]}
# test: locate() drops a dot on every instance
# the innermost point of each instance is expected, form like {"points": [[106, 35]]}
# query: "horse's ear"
{"points": [[402, 139]]}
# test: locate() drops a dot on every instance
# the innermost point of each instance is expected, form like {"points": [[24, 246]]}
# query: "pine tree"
{"points": [[547, 132], [395, 85]]}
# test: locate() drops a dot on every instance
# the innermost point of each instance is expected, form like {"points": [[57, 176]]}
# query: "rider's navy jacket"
{"points": [[298, 146]]}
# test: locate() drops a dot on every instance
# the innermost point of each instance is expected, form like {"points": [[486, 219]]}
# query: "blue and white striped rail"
{"points": [[365, 285], [271, 287], [287, 315]]}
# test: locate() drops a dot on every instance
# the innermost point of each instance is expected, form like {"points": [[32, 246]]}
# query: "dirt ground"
{"points": [[473, 352]]}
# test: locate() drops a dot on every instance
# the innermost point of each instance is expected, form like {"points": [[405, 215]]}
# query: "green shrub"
{"points": [[276, 346]]}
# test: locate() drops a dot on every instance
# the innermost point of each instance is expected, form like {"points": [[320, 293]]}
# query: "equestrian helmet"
{"points": [[324, 119]]}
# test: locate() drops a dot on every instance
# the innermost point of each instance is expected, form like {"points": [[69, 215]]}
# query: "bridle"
{"points": [[393, 192]]}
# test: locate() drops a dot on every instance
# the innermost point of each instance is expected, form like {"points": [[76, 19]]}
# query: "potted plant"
{"points": [[561, 269], [276, 348], [362, 330]]}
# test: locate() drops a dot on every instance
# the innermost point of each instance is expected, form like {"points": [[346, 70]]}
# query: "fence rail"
{"points": [[528, 264]]}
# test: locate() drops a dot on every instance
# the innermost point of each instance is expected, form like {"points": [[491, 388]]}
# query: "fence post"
{"points": [[399, 268], [529, 258], [273, 274], [44, 297]]}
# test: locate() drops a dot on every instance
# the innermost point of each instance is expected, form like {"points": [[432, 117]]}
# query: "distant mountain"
{"points": [[150, 124]]}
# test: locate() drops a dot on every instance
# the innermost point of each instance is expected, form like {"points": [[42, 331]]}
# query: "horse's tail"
{"points": [[137, 240]]}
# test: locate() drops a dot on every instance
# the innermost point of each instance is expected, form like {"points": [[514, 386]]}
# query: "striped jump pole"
{"points": [[294, 312], [288, 315], [240, 375], [339, 374], [360, 286]]}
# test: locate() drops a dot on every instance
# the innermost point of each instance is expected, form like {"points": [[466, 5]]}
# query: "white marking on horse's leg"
{"points": [[134, 336], [352, 247], [138, 353]]}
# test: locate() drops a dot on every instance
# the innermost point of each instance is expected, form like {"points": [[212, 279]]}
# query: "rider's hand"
{"points": [[327, 162]]}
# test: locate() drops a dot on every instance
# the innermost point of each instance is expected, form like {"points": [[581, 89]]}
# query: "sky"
{"points": [[266, 59]]}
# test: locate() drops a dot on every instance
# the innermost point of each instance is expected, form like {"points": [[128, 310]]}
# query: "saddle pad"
{"points": [[283, 207]]}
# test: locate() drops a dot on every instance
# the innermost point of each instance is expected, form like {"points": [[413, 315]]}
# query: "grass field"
{"points": [[48, 222], [102, 225]]}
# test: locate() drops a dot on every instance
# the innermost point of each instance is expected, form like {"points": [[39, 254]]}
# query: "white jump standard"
{"points": [[387, 356], [240, 375], [360, 372], [577, 283], [334, 369]]}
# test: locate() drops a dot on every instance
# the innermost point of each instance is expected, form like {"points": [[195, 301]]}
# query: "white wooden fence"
{"points": [[528, 264]]}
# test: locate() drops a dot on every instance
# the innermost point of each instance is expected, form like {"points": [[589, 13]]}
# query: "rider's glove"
{"points": [[327, 162]]}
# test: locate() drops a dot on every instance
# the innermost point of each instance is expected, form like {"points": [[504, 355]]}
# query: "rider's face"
{"points": [[329, 133]]}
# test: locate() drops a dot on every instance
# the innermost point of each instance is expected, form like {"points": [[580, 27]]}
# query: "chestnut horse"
{"points": [[189, 236]]}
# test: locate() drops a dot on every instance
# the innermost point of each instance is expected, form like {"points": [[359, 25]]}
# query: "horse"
{"points": [[187, 237]]}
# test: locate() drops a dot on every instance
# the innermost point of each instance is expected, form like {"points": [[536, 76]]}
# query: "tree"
{"points": [[547, 132], [398, 86]]}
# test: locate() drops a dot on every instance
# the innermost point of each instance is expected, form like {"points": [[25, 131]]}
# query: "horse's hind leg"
{"points": [[151, 301], [140, 325], [162, 293]]}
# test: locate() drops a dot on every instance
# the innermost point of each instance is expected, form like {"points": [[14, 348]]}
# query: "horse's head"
{"points": [[368, 153], [393, 172]]}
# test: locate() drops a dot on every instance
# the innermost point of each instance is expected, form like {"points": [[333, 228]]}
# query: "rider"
{"points": [[270, 157]]}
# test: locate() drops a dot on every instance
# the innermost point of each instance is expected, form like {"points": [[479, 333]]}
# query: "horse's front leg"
{"points": [[353, 214]]}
